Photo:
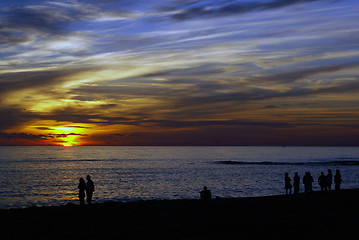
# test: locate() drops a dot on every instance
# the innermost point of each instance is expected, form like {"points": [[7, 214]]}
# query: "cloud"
{"points": [[11, 37], [186, 124], [200, 70], [80, 114], [27, 22], [197, 10], [44, 128], [63, 135], [300, 74], [19, 24], [258, 94], [23, 136], [39, 18], [75, 126], [236, 135], [37, 79], [203, 91], [11, 117], [37, 137]]}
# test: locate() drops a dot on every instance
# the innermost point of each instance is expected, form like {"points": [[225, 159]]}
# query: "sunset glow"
{"points": [[264, 72]]}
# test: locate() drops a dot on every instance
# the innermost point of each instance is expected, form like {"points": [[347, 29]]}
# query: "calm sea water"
{"points": [[42, 176]]}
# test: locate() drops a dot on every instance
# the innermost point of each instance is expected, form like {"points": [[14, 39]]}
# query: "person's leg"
{"points": [[89, 197]]}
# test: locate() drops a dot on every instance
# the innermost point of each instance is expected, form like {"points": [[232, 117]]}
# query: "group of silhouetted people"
{"points": [[88, 187], [325, 182]]}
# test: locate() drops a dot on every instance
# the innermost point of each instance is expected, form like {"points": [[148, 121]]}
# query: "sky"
{"points": [[179, 72]]}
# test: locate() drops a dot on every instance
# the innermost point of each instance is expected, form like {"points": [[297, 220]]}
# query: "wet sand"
{"points": [[319, 215]]}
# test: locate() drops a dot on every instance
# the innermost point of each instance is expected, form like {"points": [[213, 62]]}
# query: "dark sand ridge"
{"points": [[319, 215]]}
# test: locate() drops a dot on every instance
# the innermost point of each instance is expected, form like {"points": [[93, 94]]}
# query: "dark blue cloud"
{"points": [[16, 81], [225, 8], [20, 21]]}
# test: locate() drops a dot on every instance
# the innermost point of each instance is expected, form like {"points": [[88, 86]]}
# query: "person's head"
{"points": [[329, 170], [286, 174], [337, 171], [322, 173], [88, 177], [81, 180], [296, 173], [204, 188]]}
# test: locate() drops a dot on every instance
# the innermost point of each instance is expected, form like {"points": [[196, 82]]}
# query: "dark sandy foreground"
{"points": [[313, 216]]}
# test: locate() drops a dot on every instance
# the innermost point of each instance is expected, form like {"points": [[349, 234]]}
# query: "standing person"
{"points": [[322, 180], [305, 182], [81, 187], [288, 185], [296, 183], [329, 180], [90, 188], [337, 180], [308, 180]]}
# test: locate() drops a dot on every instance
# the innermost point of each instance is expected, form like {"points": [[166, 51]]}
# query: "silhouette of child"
{"points": [[81, 187], [205, 194], [288, 185]]}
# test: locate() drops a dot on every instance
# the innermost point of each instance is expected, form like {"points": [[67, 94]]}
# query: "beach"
{"points": [[318, 215]]}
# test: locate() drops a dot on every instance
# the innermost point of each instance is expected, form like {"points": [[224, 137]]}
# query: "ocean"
{"points": [[48, 176]]}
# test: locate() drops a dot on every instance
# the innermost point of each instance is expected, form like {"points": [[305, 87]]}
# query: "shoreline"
{"points": [[318, 215]]}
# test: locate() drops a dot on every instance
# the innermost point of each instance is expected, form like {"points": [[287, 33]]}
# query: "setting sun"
{"points": [[68, 142], [68, 136]]}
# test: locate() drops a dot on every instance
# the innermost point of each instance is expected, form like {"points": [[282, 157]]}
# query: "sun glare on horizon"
{"points": [[68, 136]]}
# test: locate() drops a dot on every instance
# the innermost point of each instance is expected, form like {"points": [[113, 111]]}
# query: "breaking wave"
{"points": [[341, 163]]}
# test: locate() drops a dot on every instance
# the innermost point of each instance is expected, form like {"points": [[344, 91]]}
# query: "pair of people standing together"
{"points": [[307, 181], [89, 187]]}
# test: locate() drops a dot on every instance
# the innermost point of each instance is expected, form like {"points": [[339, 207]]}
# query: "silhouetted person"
{"points": [[205, 194], [296, 183], [311, 180], [305, 182], [322, 180], [288, 185], [308, 180], [90, 188], [81, 187], [329, 180], [337, 180]]}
